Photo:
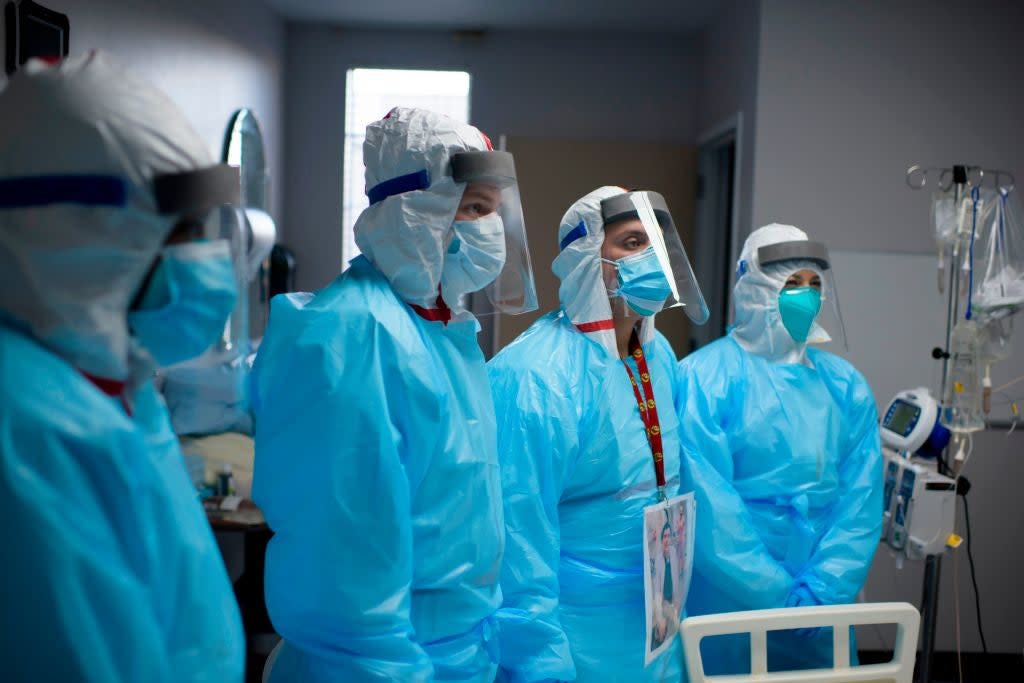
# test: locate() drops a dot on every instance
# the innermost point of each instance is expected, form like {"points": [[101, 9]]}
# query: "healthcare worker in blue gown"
{"points": [[376, 454], [579, 454], [110, 572], [781, 448]]}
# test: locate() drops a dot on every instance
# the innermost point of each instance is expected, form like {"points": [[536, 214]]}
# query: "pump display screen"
{"points": [[902, 418]]}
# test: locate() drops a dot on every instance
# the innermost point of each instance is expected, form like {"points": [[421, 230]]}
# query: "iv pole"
{"points": [[933, 563]]}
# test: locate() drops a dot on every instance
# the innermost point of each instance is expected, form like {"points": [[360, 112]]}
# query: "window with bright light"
{"points": [[369, 95]]}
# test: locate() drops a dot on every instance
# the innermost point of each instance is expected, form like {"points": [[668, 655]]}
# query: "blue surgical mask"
{"points": [[642, 282], [475, 256], [799, 306], [187, 301]]}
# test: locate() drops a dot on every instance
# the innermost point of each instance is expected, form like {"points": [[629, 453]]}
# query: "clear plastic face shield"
{"points": [[789, 260], [493, 173], [650, 209], [207, 204]]}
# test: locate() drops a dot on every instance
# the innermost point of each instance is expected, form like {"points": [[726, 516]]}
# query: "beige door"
{"points": [[555, 173]]}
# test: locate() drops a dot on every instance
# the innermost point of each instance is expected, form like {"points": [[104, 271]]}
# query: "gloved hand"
{"points": [[801, 596]]}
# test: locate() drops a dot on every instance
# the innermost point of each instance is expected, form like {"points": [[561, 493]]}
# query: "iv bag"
{"points": [[948, 220], [994, 345], [962, 404], [998, 265]]}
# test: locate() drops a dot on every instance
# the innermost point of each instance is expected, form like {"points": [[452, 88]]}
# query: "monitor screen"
{"points": [[901, 418]]}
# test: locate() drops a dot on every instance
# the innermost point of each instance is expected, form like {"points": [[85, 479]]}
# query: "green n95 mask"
{"points": [[799, 306]]}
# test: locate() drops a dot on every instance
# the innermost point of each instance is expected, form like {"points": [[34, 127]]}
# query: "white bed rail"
{"points": [[839, 617]]}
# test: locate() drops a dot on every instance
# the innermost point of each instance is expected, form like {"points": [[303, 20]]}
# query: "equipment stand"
{"points": [[933, 563]]}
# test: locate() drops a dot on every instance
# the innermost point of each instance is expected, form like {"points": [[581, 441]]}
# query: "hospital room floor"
{"points": [[977, 667]]}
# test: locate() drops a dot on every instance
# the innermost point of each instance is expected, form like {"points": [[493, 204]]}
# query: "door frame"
{"points": [[734, 125], [728, 130]]}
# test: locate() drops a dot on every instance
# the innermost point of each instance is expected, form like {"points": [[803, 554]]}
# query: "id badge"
{"points": [[668, 562]]}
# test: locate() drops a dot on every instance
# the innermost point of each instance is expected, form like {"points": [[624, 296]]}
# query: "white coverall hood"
{"points": [[70, 269], [582, 292], [758, 324], [413, 199]]}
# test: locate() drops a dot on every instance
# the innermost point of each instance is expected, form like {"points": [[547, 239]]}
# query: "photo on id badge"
{"points": [[668, 558]]}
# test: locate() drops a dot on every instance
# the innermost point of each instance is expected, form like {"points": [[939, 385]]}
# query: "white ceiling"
{"points": [[673, 16]]}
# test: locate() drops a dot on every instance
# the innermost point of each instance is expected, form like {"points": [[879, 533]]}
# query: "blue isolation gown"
{"points": [[577, 472], [786, 466], [111, 571], [376, 468]]}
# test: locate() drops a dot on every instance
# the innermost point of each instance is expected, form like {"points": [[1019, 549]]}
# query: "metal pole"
{"points": [[933, 563], [929, 616], [953, 292]]}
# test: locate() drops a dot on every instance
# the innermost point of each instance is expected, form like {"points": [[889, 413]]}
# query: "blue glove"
{"points": [[801, 596]]}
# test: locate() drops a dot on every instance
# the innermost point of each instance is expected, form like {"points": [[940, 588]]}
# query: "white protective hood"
{"points": [[69, 270], [582, 292], [758, 325], [405, 234]]}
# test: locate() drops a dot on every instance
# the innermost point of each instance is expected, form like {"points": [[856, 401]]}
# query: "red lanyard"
{"points": [[648, 409]]}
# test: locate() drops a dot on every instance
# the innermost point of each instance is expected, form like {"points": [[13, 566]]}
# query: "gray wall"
{"points": [[210, 56], [848, 95], [852, 93], [728, 85], [555, 85]]}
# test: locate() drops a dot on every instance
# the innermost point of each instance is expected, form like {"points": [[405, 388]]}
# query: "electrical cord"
{"points": [[943, 467], [974, 577]]}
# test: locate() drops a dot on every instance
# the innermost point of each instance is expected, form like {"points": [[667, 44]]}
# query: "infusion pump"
{"points": [[919, 505], [911, 424]]}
